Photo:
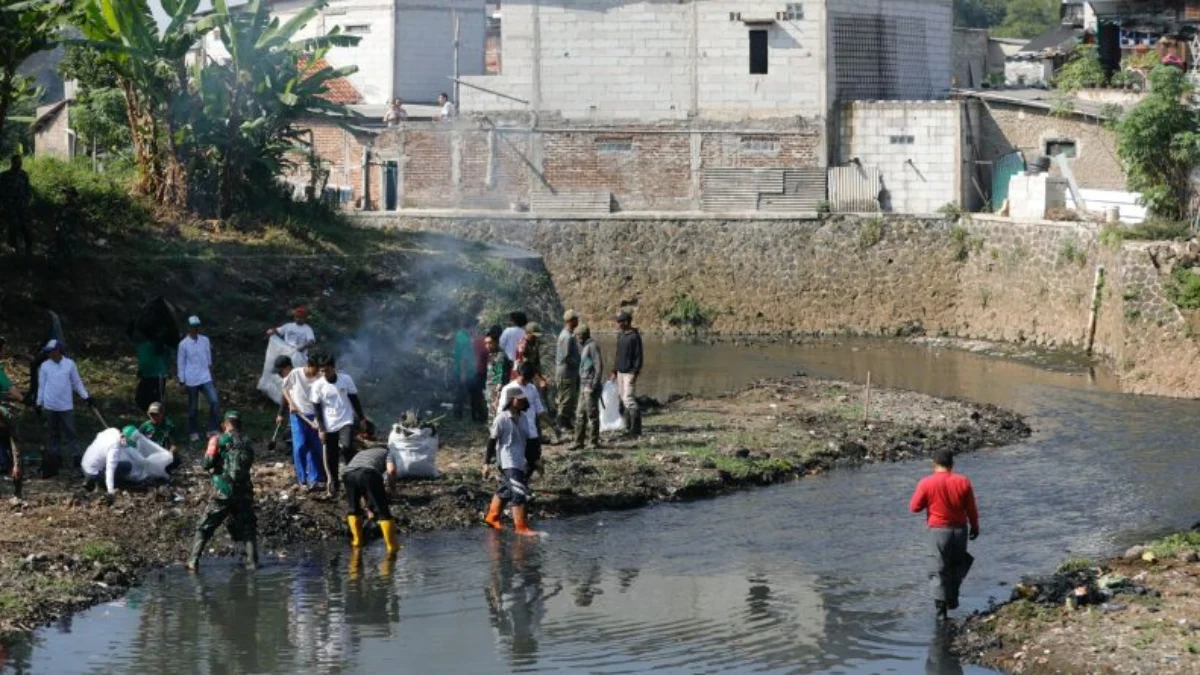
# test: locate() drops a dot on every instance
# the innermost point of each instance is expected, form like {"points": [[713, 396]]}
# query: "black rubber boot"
{"points": [[636, 416]]}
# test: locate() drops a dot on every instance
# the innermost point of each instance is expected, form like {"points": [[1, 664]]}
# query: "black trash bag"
{"points": [[156, 322]]}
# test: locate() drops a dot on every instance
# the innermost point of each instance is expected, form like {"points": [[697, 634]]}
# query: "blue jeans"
{"points": [[214, 408], [306, 451]]}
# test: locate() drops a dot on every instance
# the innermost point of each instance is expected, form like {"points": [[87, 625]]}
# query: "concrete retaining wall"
{"points": [[985, 277]]}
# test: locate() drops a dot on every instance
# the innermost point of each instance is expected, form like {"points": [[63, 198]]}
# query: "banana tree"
{"points": [[253, 100], [150, 62]]}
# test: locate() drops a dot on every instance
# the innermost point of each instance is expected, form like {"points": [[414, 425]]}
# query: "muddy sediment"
{"points": [[1138, 613], [65, 549]]}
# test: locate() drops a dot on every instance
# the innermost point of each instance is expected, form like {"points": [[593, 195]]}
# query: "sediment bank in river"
{"points": [[65, 550], [1139, 613]]}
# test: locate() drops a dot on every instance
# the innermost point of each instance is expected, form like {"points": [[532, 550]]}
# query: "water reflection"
{"points": [[823, 575]]}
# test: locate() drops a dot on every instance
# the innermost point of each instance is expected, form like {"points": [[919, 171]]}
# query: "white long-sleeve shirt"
{"points": [[194, 362], [297, 336], [509, 339], [107, 457], [56, 384]]}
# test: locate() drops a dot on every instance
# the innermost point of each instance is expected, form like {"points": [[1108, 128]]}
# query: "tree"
{"points": [[26, 28], [979, 13], [99, 115], [1082, 71], [251, 101], [150, 68], [1158, 141], [1029, 18]]}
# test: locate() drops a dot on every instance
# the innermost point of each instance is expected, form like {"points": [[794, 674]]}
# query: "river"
{"points": [[823, 575]]}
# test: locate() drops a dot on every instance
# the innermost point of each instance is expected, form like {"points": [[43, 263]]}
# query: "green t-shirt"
{"points": [[152, 359], [5, 383], [162, 434]]}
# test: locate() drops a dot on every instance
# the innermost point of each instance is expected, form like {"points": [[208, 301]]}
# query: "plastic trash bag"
{"points": [[148, 458], [271, 383], [415, 451], [610, 408]]}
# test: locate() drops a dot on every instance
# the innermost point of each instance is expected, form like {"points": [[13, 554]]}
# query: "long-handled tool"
{"points": [[274, 436], [100, 417]]}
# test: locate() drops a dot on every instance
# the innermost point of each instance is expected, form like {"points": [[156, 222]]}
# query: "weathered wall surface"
{"points": [[1008, 128], [986, 278]]}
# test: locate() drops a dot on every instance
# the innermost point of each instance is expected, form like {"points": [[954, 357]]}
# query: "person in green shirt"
{"points": [[160, 430], [152, 359], [228, 459], [7, 390]]}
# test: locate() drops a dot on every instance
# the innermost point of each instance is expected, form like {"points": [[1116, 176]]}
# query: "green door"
{"points": [[1003, 169]]}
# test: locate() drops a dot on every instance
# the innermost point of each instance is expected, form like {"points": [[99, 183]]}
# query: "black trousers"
{"points": [[339, 447], [150, 390], [366, 484], [514, 487]]}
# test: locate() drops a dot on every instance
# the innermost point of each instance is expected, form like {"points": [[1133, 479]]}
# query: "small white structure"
{"points": [[1030, 196]]}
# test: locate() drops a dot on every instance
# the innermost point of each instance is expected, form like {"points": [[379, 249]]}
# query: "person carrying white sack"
{"points": [[114, 459]]}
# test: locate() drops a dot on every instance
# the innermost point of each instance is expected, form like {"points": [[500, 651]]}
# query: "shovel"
{"points": [[274, 436]]}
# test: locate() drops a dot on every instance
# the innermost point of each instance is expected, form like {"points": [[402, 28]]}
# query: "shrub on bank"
{"points": [[104, 204]]}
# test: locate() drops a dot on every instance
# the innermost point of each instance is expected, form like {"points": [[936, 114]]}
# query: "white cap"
{"points": [[50, 346], [193, 321]]}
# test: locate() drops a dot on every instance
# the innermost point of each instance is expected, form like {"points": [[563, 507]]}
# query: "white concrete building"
{"points": [[715, 59], [407, 48]]}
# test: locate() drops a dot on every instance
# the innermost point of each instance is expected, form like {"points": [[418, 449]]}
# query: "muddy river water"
{"points": [[821, 575]]}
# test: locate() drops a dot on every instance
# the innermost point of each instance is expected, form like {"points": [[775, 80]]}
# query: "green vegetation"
{"points": [[1183, 288], [1082, 70], [1008, 18], [1155, 229], [1171, 546], [1072, 565], [824, 207], [686, 312], [1158, 141], [99, 552], [1070, 252], [26, 28], [963, 243], [870, 232], [213, 137]]}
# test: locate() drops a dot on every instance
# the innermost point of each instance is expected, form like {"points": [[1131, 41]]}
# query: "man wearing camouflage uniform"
{"points": [[591, 383], [566, 371], [228, 459]]}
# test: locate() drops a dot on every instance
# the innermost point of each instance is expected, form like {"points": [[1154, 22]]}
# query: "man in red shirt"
{"points": [[949, 502]]}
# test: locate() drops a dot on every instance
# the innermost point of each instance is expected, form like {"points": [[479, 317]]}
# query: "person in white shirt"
{"points": [[297, 334], [58, 382], [534, 413], [511, 337], [112, 464], [298, 406], [194, 365], [447, 112], [395, 113], [335, 402]]}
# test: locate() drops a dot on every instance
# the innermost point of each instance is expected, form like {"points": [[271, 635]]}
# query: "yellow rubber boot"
{"points": [[493, 515], [520, 523], [356, 527], [388, 527], [355, 562]]}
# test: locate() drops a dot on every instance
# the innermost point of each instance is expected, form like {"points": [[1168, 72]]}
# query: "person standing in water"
{"points": [[948, 500], [507, 445]]}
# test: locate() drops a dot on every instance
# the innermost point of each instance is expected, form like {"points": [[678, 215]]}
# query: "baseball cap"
{"points": [[233, 415], [193, 320], [129, 432], [570, 314], [50, 346], [582, 329], [533, 329], [154, 409], [624, 316]]}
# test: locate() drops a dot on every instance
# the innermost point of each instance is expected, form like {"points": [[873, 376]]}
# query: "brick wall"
{"points": [[341, 152], [1008, 128], [644, 172], [53, 139]]}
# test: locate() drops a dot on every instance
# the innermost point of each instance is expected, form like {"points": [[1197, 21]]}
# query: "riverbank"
{"points": [[1139, 613], [65, 550]]}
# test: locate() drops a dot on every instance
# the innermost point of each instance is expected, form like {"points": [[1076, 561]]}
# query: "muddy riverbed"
{"points": [[823, 574]]}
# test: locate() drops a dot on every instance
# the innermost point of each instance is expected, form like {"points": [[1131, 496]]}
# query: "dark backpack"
{"points": [[239, 456]]}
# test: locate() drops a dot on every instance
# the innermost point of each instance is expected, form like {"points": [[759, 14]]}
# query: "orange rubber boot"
{"points": [[493, 515], [521, 524]]}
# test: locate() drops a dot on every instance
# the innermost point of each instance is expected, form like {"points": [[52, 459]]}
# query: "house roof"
{"points": [[338, 90], [1058, 39], [1036, 99], [46, 114]]}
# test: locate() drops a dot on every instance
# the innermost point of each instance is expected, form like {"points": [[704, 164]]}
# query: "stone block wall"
{"points": [[986, 277]]}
